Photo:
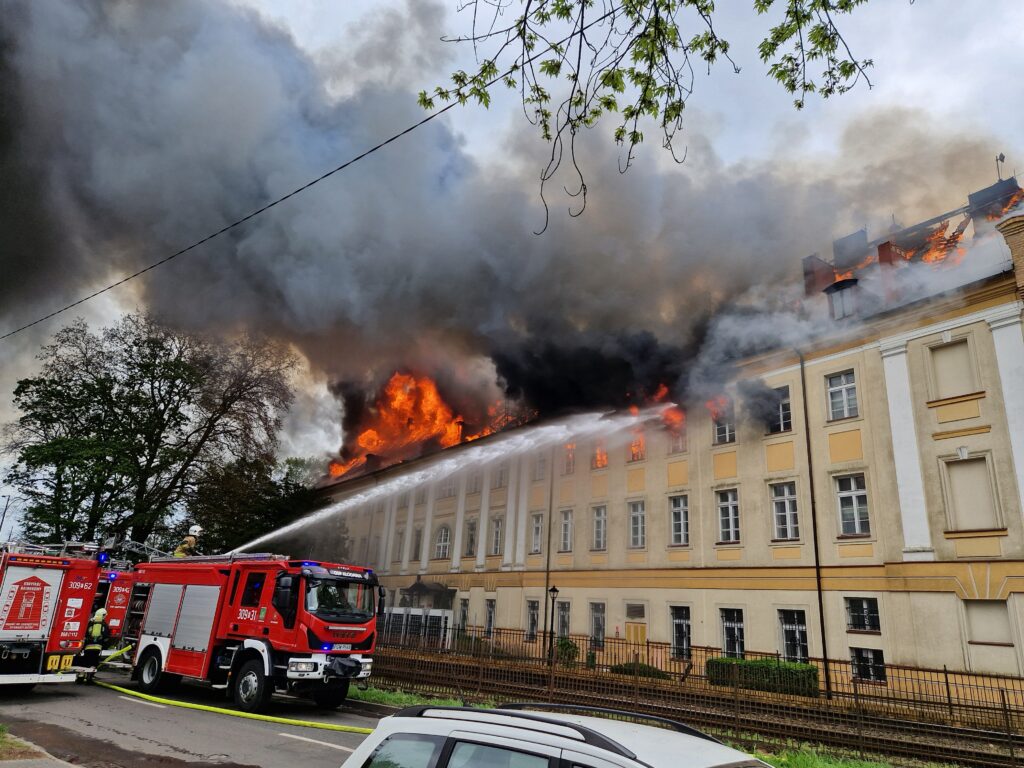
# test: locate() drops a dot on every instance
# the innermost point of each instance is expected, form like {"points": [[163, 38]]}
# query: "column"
{"points": [[407, 539], [483, 545], [460, 522], [1008, 337], [428, 524], [510, 513], [523, 515], [390, 507], [917, 540]]}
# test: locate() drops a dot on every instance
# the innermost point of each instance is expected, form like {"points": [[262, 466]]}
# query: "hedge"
{"points": [[764, 675], [639, 669]]}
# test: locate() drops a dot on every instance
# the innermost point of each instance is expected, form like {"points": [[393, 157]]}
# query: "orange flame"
{"points": [[1015, 199], [600, 458], [638, 446], [674, 418], [717, 406], [408, 413]]}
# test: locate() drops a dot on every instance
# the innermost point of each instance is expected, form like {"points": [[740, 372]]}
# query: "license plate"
{"points": [[342, 647]]}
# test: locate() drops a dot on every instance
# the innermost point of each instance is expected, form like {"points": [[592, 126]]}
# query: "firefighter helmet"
{"points": [[195, 530]]}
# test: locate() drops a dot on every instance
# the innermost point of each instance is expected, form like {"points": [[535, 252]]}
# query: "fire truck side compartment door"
{"points": [[163, 609], [28, 598], [195, 623]]}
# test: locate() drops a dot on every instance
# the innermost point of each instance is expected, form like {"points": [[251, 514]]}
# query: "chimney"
{"points": [[1012, 230], [889, 255], [818, 274]]}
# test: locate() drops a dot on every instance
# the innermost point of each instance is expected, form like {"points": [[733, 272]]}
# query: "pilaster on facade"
{"points": [[460, 523], [917, 540], [522, 513], [1008, 339], [408, 537], [428, 525], [384, 553], [511, 500], [485, 515]]}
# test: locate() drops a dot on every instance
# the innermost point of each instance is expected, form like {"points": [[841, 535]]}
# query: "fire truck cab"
{"points": [[45, 601], [253, 623]]}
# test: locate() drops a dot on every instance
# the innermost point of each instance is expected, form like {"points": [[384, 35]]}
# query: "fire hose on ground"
{"points": [[232, 712]]}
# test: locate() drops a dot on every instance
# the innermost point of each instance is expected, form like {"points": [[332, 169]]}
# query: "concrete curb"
{"points": [[46, 760]]}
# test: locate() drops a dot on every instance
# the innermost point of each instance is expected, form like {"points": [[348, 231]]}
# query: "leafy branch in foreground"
{"points": [[575, 61]]}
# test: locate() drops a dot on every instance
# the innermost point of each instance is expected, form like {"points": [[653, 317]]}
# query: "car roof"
{"points": [[630, 742]]}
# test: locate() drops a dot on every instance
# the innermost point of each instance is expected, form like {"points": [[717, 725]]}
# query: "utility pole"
{"points": [[3, 517]]}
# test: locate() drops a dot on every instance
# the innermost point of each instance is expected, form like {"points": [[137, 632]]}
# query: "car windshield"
{"points": [[337, 599]]}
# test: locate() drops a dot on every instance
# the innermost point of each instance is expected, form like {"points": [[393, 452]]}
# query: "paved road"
{"points": [[100, 728]]}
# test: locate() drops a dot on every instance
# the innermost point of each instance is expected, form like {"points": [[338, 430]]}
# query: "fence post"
{"points": [[736, 694], [949, 693], [636, 677], [860, 719], [1009, 726]]}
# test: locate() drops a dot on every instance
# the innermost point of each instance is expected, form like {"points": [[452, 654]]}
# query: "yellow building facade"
{"points": [[888, 482]]}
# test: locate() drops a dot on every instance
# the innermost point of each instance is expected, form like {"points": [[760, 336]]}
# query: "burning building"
{"points": [[840, 498]]}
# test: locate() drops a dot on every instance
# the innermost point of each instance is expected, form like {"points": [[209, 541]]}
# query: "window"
{"points": [[399, 542], [638, 446], [532, 619], [599, 540], [489, 621], [842, 395], [407, 750], [679, 520], [497, 530], [600, 457], [421, 495], [867, 664], [474, 482], [253, 589], [569, 459], [732, 633], [952, 370], [364, 548], [787, 525], [470, 538], [728, 516], [537, 535], [403, 500], [376, 547], [988, 622], [463, 613], [794, 635], [680, 618], [468, 755], [442, 542], [597, 625], [853, 505], [677, 438], [499, 478], [563, 619], [565, 540], [723, 420], [862, 614], [447, 487], [636, 612], [782, 418], [417, 543], [637, 525], [540, 468], [971, 503]]}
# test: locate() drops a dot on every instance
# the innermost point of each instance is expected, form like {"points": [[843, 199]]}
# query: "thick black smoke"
{"points": [[131, 129]]}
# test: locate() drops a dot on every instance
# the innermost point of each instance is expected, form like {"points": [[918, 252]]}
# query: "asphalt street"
{"points": [[100, 728]]}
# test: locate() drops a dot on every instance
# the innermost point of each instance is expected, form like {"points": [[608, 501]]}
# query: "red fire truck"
{"points": [[253, 623], [44, 613], [114, 593]]}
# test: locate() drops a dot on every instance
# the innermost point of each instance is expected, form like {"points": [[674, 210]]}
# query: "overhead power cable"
{"points": [[307, 185]]}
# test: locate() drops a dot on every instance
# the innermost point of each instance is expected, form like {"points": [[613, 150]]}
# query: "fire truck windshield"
{"points": [[340, 600]]}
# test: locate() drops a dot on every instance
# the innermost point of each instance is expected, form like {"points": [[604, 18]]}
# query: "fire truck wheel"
{"points": [[151, 676], [252, 688], [332, 696]]}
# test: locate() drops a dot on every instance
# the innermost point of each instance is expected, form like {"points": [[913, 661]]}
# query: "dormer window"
{"points": [[842, 298]]}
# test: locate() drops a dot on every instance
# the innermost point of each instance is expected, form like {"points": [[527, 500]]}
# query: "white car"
{"points": [[539, 736]]}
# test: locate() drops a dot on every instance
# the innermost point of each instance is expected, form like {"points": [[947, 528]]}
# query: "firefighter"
{"points": [[97, 634], [188, 545]]}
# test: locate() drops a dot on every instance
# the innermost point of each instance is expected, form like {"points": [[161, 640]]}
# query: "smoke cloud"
{"points": [[132, 129]]}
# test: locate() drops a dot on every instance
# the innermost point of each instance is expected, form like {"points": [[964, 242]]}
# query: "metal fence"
{"points": [[902, 712]]}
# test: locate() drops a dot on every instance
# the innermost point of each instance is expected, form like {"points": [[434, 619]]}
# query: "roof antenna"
{"points": [[1000, 159]]}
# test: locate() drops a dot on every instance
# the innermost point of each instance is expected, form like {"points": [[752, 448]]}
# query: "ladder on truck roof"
{"points": [[231, 557], [57, 549]]}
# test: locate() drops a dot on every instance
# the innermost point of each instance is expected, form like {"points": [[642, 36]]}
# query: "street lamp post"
{"points": [[553, 593]]}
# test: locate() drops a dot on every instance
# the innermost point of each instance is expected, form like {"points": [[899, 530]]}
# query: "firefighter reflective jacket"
{"points": [[97, 632], [186, 548]]}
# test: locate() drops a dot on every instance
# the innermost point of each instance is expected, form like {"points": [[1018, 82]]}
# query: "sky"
{"points": [[151, 127]]}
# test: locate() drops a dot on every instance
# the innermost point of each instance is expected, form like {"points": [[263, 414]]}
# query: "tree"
{"points": [[635, 59], [239, 501], [118, 426]]}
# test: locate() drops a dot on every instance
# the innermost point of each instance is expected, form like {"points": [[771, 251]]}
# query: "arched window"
{"points": [[442, 542]]}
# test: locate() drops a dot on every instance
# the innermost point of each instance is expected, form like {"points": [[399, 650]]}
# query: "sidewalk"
{"points": [[44, 760]]}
